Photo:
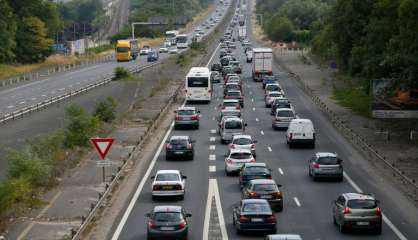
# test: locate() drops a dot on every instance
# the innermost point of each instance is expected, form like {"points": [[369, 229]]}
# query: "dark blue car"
{"points": [[152, 56], [254, 215]]}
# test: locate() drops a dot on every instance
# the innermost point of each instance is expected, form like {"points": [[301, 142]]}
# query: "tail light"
{"points": [[271, 219], [168, 146], [152, 225], [277, 195], [252, 195], [178, 118], [231, 146], [177, 187], [346, 210], [195, 117], [243, 219], [316, 165], [156, 187], [290, 136], [270, 73], [313, 135], [378, 212], [228, 160], [269, 177], [241, 178], [252, 160], [252, 146], [182, 225], [189, 146]]}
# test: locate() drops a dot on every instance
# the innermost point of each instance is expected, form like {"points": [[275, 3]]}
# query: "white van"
{"points": [[300, 131]]}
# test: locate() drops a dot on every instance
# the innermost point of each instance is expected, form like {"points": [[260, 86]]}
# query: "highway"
{"points": [[20, 96], [307, 204]]}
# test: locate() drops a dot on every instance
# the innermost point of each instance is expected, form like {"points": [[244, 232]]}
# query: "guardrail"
{"points": [[357, 140], [37, 75], [41, 105]]}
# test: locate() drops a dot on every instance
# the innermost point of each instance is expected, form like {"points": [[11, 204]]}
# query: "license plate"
{"points": [[256, 220], [167, 187], [179, 152], [265, 196], [167, 228], [363, 223]]}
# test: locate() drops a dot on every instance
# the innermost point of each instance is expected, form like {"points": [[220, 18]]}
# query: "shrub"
{"points": [[80, 127], [105, 110], [14, 191], [120, 73]]}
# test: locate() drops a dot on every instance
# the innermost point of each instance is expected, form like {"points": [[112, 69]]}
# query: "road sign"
{"points": [[104, 163], [102, 146]]}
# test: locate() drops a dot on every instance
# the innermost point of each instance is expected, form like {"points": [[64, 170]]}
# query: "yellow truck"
{"points": [[126, 50]]}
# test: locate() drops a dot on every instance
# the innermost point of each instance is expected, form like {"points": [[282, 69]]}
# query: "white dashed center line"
{"points": [[33, 99], [256, 119], [297, 201], [212, 168], [253, 108], [252, 99], [281, 171], [262, 133], [213, 131], [212, 139], [269, 148], [11, 106], [212, 147], [212, 157], [216, 108], [213, 118], [23, 102]]}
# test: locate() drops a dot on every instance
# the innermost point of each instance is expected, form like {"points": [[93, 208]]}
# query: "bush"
{"points": [[15, 191], [105, 110], [120, 73], [197, 46], [80, 127]]}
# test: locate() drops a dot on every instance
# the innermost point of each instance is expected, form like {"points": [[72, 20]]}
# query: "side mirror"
{"points": [[245, 124], [279, 185], [147, 215], [188, 215], [339, 160], [184, 177], [226, 155], [377, 201], [255, 141], [193, 141], [198, 111], [152, 177]]}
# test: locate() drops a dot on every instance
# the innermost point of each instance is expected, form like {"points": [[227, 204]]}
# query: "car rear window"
{"points": [[242, 141], [265, 187], [197, 82], [185, 112], [256, 207], [274, 95], [327, 160], [167, 177], [362, 204], [230, 104], [241, 155], [233, 125], [168, 217], [255, 170], [179, 142], [285, 114], [273, 88]]}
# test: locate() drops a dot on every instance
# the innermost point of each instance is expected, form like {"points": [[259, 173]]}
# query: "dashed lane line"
{"points": [[297, 201], [213, 131], [262, 132], [212, 168], [212, 157], [256, 119], [212, 139], [212, 147], [281, 171], [269, 148], [253, 108]]}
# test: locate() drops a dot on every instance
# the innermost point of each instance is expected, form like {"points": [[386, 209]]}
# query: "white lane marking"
{"points": [[144, 179], [281, 171], [212, 147], [43, 95], [213, 192], [212, 157], [213, 54], [252, 99], [78, 83], [23, 102], [385, 219], [262, 133], [33, 99], [11, 106], [256, 119], [253, 108], [215, 108], [251, 92], [213, 131], [212, 139], [269, 148], [297, 201], [213, 118], [61, 89], [212, 168]]}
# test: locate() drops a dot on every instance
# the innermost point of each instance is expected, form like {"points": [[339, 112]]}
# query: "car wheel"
{"points": [[150, 238], [223, 141], [309, 172], [280, 207], [181, 197], [274, 231], [197, 126], [154, 198], [340, 179], [227, 173], [334, 220], [239, 232], [167, 158], [342, 228], [290, 145], [378, 229], [312, 145]]}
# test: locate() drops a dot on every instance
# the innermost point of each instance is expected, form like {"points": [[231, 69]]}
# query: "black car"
{"points": [[179, 147], [216, 67], [226, 70], [254, 215], [225, 60], [222, 53], [268, 79], [152, 56], [252, 171], [216, 77], [279, 103], [167, 222]]}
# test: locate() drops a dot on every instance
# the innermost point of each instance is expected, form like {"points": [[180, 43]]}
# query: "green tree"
{"points": [[280, 29], [80, 127], [7, 33], [33, 44], [105, 110]]}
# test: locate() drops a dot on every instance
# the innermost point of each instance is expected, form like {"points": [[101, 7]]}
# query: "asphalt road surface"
{"points": [[307, 204]]}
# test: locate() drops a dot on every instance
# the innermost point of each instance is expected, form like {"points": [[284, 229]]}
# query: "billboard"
{"points": [[394, 99]]}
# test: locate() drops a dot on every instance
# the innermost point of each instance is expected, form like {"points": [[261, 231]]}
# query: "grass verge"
{"points": [[354, 99]]}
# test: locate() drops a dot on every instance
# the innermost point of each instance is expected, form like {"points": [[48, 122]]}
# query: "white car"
{"points": [[168, 183], [273, 87], [270, 96], [173, 50], [243, 142], [163, 50], [283, 118], [145, 50], [236, 159], [167, 44], [300, 131]]}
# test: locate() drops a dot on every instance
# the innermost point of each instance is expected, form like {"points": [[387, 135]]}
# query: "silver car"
{"points": [[243, 142], [326, 165], [357, 211], [283, 237], [230, 127], [282, 118], [187, 116]]}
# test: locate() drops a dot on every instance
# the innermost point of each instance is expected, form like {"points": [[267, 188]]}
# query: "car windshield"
{"points": [[282, 105], [233, 78], [241, 155], [269, 78], [242, 141], [255, 170], [362, 204], [232, 86], [274, 95], [185, 112], [122, 49], [179, 142], [265, 187], [285, 114], [233, 125], [327, 160], [256, 207], [273, 88], [167, 177], [168, 217]]}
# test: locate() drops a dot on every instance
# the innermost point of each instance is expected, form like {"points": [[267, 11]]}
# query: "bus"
{"points": [[198, 85], [182, 41], [127, 50], [171, 36]]}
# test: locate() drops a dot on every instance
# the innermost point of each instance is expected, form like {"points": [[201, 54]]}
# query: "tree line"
{"points": [[368, 39], [29, 27]]}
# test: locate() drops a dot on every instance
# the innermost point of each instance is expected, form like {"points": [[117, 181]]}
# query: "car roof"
{"points": [[231, 100], [230, 110], [167, 171], [285, 237], [353, 196], [262, 181], [301, 120], [275, 83], [240, 151], [167, 208], [284, 109], [179, 137], [233, 119], [233, 90], [274, 92], [254, 201], [187, 108], [256, 164], [325, 154], [242, 136]]}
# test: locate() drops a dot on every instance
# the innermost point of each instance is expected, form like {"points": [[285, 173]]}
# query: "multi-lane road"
{"points": [[307, 204]]}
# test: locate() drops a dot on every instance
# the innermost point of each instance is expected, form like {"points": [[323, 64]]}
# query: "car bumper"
{"points": [[168, 193], [158, 234], [179, 154], [302, 141], [360, 224], [327, 174], [187, 123], [256, 226], [280, 124], [233, 167]]}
